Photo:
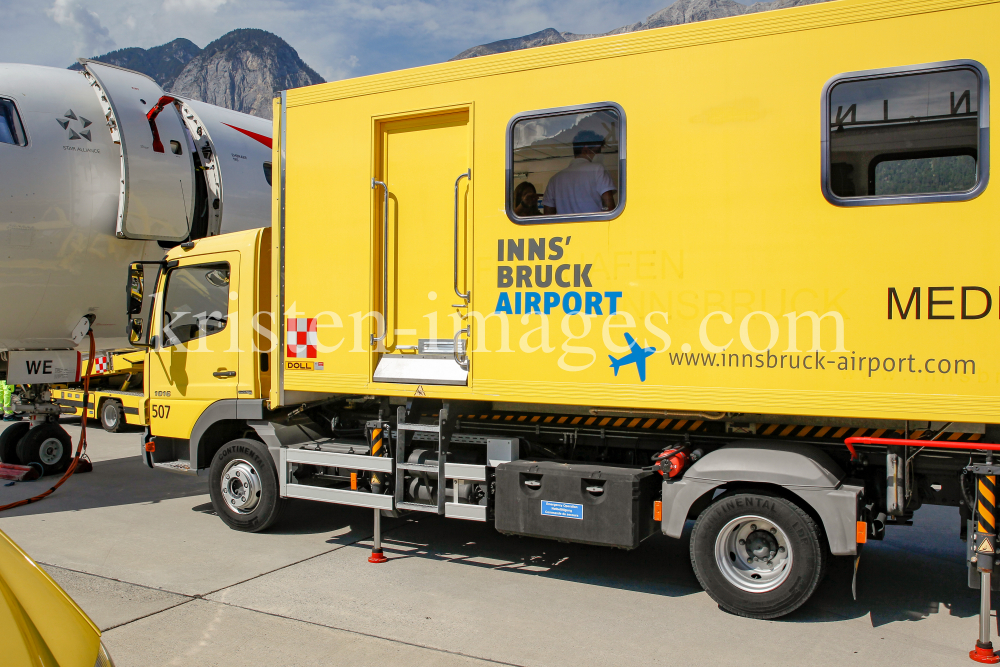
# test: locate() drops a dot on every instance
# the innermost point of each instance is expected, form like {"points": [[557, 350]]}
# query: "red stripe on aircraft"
{"points": [[253, 135]]}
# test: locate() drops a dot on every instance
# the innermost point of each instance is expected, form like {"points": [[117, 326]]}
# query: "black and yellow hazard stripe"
{"points": [[654, 424], [986, 505], [579, 421], [377, 444]]}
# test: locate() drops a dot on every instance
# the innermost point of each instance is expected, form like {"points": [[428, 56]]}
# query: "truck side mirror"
{"points": [[136, 335], [134, 290]]}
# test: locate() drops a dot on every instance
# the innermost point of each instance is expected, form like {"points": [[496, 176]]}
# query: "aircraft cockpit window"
{"points": [[566, 165], [267, 172], [11, 129], [196, 303], [906, 135]]}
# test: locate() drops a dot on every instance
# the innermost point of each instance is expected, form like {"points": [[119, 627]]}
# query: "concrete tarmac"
{"points": [[169, 584]]}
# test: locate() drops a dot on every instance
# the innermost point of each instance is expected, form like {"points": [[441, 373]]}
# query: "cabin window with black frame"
{"points": [[11, 129], [905, 134], [565, 163], [196, 303]]}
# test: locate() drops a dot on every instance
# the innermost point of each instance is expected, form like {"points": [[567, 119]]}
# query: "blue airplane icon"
{"points": [[636, 356]]}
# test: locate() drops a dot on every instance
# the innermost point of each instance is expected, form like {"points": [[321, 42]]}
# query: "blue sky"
{"points": [[337, 38]]}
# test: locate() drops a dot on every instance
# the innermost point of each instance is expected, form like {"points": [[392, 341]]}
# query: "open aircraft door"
{"points": [[423, 222], [157, 187]]}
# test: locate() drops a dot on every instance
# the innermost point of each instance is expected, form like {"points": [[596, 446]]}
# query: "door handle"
{"points": [[385, 264], [468, 175], [224, 374]]}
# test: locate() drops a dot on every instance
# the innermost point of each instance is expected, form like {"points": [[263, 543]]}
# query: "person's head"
{"points": [[526, 197], [587, 143]]}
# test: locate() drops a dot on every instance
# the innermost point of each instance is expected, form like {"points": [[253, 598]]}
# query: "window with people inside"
{"points": [[565, 164], [905, 134]]}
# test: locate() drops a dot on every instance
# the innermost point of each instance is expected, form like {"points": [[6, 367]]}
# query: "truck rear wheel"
{"points": [[47, 444], [112, 415], [757, 555], [243, 484], [9, 438]]}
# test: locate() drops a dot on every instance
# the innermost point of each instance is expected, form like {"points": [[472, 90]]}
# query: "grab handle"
{"points": [[385, 264], [461, 358], [468, 175]]}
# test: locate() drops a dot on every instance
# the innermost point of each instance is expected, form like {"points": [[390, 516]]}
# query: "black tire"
{"points": [[793, 556], [49, 445], [248, 498], [112, 415], [9, 438]]}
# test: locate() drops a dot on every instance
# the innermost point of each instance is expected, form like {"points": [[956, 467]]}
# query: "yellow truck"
{"points": [[739, 272], [115, 390]]}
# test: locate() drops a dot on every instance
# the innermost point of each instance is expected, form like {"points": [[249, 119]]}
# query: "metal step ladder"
{"points": [[443, 429]]}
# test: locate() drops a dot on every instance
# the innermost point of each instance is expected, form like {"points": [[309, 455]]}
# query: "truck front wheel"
{"points": [[243, 484], [757, 555]]}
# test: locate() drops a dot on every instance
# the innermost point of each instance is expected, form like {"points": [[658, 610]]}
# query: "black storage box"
{"points": [[576, 502]]}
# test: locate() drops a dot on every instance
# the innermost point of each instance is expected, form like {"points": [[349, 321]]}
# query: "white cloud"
{"points": [[92, 37], [193, 5]]}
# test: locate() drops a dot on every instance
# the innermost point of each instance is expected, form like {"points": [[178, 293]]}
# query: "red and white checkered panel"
{"points": [[101, 365], [301, 338]]}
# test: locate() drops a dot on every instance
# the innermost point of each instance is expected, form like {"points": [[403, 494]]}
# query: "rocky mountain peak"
{"points": [[682, 11], [242, 70], [163, 63]]}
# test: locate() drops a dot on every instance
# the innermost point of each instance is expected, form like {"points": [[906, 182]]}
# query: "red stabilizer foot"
{"points": [[984, 654], [377, 557]]}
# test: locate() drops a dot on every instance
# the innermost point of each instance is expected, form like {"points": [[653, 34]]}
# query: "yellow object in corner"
{"points": [[40, 624]]}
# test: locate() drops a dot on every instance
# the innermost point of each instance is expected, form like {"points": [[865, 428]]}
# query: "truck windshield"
{"points": [[196, 303]]}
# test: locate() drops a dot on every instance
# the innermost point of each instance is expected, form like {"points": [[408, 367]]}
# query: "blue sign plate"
{"points": [[564, 510]]}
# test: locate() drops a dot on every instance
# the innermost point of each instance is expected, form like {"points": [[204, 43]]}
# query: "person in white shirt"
{"points": [[584, 186]]}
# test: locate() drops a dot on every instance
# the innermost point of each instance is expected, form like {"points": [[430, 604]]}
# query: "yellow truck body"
{"points": [[726, 257]]}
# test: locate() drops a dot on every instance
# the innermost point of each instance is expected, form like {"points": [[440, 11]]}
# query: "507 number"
{"points": [[161, 411]]}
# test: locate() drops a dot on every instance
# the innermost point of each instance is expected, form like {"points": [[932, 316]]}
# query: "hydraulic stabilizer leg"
{"points": [[377, 555], [985, 545], [376, 482]]}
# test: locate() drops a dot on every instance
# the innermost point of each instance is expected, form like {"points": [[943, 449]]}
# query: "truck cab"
{"points": [[204, 361]]}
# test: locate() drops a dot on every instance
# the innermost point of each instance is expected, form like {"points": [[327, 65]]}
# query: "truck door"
{"points": [[424, 167], [195, 357]]}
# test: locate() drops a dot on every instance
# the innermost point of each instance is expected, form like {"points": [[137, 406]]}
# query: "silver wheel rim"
{"points": [[753, 554], [51, 451], [241, 487], [110, 415]]}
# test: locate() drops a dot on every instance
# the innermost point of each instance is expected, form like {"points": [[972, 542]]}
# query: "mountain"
{"points": [[682, 11], [242, 70], [163, 62]]}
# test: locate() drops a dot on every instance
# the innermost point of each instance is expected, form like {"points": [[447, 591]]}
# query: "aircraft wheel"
{"points": [[49, 445], [9, 438]]}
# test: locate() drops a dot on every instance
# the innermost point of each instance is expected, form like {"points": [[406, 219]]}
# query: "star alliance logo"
{"points": [[84, 133]]}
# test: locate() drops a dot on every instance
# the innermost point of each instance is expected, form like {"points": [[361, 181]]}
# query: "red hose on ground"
{"points": [[81, 448], [939, 444]]}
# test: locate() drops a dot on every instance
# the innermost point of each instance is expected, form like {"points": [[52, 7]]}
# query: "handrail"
{"points": [[461, 359], [385, 264], [468, 175], [942, 444]]}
